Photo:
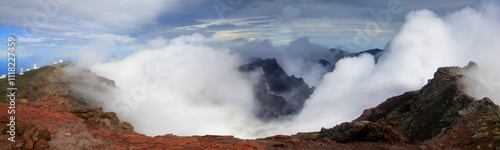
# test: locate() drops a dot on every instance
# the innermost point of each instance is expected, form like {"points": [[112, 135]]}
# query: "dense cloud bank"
{"points": [[189, 88]]}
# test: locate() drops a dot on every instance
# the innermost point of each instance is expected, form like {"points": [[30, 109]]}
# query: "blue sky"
{"points": [[50, 30]]}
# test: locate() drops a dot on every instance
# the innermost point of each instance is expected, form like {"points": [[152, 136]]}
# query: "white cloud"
{"points": [[425, 42], [188, 88], [97, 51]]}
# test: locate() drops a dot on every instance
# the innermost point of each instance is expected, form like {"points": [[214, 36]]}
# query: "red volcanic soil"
{"points": [[481, 131], [68, 131]]}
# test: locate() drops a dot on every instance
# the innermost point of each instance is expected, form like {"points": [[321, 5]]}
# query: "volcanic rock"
{"points": [[36, 137], [361, 131], [51, 129], [42, 145], [278, 94], [108, 119], [439, 106]]}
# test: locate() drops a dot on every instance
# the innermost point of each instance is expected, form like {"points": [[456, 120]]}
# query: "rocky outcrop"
{"points": [[272, 106], [278, 94], [108, 119], [361, 131], [36, 138], [418, 116], [439, 106]]}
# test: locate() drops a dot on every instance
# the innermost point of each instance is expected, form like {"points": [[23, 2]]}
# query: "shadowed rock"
{"points": [[361, 131], [108, 119], [438, 107], [278, 94]]}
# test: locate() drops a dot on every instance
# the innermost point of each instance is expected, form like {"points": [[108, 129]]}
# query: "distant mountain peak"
{"points": [[278, 94]]}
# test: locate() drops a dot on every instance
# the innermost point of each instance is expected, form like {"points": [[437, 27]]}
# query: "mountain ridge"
{"points": [[278, 94], [52, 111], [418, 116]]}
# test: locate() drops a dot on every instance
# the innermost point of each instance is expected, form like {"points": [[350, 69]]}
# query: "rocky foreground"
{"points": [[49, 115]]}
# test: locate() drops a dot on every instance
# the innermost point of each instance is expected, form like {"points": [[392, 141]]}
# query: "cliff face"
{"points": [[438, 107], [278, 94], [282, 96]]}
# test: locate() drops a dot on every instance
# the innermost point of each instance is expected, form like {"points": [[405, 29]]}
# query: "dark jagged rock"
{"points": [[278, 94], [338, 54], [272, 106], [281, 95], [361, 131], [374, 52], [275, 76], [439, 106], [377, 53], [324, 63]]}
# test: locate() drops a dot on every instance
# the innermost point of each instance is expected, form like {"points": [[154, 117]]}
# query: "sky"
{"points": [[53, 30]]}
